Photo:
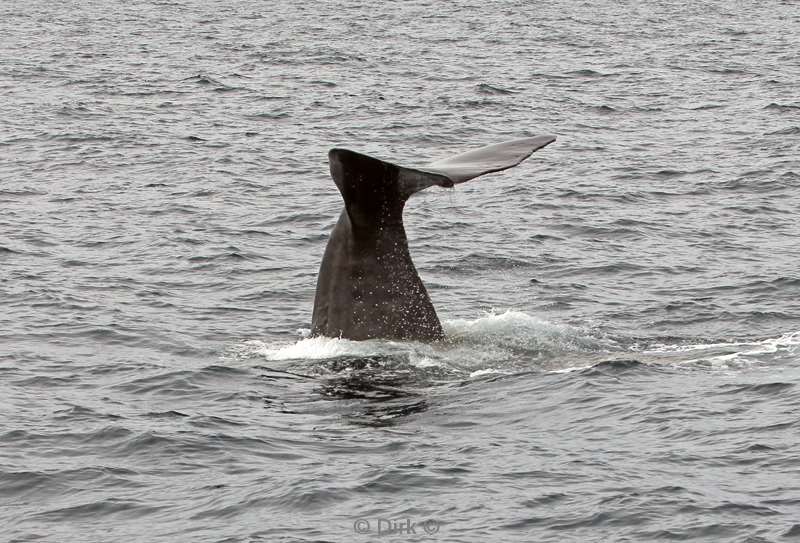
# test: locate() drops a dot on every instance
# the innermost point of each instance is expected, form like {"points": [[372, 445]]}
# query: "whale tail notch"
{"points": [[370, 185]]}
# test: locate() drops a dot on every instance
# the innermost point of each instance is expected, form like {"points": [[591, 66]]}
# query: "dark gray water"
{"points": [[623, 309]]}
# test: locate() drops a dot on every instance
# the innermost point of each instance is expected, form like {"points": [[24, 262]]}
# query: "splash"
{"points": [[512, 341], [494, 343], [516, 329], [319, 348]]}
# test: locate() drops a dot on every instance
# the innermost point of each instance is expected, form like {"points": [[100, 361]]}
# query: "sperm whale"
{"points": [[367, 285]]}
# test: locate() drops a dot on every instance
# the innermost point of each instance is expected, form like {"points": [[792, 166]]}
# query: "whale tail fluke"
{"points": [[372, 186]]}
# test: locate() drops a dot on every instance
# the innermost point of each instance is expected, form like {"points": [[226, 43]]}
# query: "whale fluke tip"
{"points": [[489, 159]]}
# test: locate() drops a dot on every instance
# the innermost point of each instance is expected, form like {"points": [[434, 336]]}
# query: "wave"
{"points": [[733, 354], [486, 88], [781, 107]]}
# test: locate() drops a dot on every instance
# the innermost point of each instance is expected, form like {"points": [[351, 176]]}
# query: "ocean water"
{"points": [[622, 310]]}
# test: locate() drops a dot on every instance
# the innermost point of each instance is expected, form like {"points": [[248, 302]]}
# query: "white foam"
{"points": [[319, 348], [506, 323], [487, 371], [735, 353], [426, 362], [494, 343], [511, 341], [786, 340], [502, 342]]}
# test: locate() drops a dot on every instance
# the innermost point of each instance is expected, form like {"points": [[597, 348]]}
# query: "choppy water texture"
{"points": [[623, 309]]}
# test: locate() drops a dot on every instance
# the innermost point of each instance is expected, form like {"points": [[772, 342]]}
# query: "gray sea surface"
{"points": [[622, 309]]}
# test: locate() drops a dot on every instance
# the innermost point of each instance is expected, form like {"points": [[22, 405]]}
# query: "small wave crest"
{"points": [[734, 354]]}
